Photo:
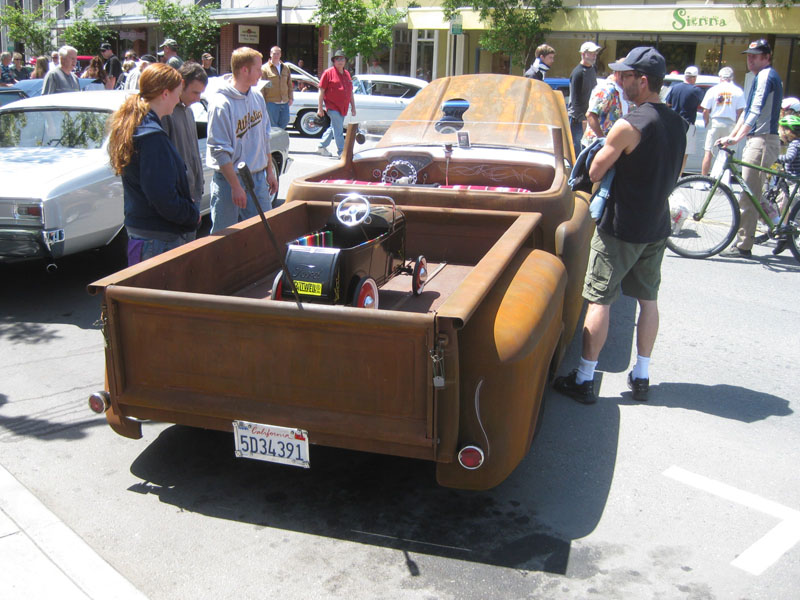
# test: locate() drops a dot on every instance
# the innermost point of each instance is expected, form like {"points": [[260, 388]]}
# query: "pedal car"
{"points": [[361, 247]]}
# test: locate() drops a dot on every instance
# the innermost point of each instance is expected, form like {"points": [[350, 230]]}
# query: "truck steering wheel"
{"points": [[349, 210], [400, 171]]}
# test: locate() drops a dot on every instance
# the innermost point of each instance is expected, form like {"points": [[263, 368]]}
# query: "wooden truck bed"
{"points": [[193, 338]]}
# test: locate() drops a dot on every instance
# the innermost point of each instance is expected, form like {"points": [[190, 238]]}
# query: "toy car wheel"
{"points": [[366, 294], [419, 276], [277, 286]]}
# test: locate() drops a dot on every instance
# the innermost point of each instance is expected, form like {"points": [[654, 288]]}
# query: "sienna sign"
{"points": [[683, 19]]}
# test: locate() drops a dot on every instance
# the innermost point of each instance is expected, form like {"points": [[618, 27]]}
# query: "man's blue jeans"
{"points": [[223, 211], [278, 114], [335, 131]]}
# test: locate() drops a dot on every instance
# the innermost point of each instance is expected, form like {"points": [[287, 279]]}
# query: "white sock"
{"points": [[585, 370], [641, 368]]}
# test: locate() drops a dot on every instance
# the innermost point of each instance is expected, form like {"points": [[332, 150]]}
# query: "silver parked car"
{"points": [[60, 194]]}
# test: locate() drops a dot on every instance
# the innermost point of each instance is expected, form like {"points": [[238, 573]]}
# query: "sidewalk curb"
{"points": [[60, 545]]}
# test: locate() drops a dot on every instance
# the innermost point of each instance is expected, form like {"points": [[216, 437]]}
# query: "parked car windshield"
{"points": [[83, 129]]}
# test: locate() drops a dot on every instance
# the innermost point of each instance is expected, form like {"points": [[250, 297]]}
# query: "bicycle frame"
{"points": [[731, 164]]}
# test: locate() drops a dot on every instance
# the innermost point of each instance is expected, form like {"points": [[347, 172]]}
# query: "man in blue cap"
{"points": [[645, 148], [759, 124]]}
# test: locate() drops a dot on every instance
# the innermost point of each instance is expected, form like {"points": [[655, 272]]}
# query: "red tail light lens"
{"points": [[470, 457], [99, 402]]}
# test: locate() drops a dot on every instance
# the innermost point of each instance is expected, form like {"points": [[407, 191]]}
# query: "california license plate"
{"points": [[271, 443]]}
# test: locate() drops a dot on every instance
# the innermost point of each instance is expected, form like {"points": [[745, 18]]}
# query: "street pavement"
{"points": [[693, 494]]}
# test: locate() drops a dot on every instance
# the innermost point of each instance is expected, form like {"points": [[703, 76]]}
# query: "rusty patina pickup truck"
{"points": [[478, 167]]}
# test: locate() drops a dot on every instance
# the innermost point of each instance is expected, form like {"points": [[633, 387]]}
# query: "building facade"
{"points": [[706, 34]]}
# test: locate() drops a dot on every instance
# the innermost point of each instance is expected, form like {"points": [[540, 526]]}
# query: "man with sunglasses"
{"points": [[645, 148], [759, 124]]}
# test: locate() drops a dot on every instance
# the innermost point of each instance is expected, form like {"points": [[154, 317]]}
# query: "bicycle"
{"points": [[705, 213]]}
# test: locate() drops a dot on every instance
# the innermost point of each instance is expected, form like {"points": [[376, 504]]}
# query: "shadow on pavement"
{"points": [[45, 429], [557, 494], [31, 298], [727, 401]]}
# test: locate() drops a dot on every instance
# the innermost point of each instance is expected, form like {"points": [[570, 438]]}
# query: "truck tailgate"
{"points": [[205, 360]]}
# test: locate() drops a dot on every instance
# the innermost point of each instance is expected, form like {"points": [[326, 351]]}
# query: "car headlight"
{"points": [[29, 212]]}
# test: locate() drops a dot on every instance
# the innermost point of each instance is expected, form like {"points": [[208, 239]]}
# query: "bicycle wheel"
{"points": [[699, 232], [793, 221]]}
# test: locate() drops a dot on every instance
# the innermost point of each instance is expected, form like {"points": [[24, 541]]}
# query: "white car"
{"points": [[60, 195], [378, 98]]}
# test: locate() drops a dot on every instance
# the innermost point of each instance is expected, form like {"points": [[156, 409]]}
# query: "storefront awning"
{"points": [[687, 18]]}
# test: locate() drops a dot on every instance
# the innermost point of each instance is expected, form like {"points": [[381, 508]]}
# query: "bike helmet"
{"points": [[791, 122]]}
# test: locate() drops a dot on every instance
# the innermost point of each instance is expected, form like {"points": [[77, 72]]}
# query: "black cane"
{"points": [[247, 178]]}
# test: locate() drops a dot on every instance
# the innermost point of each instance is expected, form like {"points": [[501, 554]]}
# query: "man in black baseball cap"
{"points": [[112, 66], [645, 148], [759, 124], [643, 59], [758, 47]]}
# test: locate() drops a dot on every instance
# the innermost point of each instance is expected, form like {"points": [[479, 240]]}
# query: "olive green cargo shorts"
{"points": [[614, 265]]}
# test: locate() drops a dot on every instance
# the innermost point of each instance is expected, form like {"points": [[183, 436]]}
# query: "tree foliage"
{"points": [[190, 26], [513, 27], [86, 35], [358, 26], [32, 28]]}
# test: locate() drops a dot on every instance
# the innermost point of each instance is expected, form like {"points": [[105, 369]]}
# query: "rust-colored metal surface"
{"points": [[506, 349], [194, 337], [523, 111], [183, 350]]}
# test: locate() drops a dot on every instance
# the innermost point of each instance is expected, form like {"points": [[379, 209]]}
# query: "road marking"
{"points": [[780, 539]]}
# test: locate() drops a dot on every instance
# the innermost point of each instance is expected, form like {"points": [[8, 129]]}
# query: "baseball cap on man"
{"points": [[691, 72], [726, 73], [169, 42], [758, 47], [105, 46], [207, 56], [148, 58], [644, 59], [791, 103], [590, 47]]}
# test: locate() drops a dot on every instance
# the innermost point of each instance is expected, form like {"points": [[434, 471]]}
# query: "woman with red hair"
{"points": [[158, 204]]}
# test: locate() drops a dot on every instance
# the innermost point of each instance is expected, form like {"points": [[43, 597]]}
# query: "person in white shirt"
{"points": [[722, 105]]}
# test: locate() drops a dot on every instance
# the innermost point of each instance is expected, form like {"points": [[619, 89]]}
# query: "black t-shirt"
{"points": [[113, 67], [637, 210], [684, 98], [581, 83], [210, 71]]}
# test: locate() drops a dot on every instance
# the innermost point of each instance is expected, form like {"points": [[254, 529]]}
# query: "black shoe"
{"points": [[780, 246], [760, 239], [736, 251], [582, 392], [639, 387]]}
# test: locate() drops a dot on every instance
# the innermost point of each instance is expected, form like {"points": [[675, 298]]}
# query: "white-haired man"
{"points": [[62, 79], [722, 105]]}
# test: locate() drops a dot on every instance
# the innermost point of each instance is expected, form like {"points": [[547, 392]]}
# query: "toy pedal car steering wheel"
{"points": [[353, 210], [399, 171]]}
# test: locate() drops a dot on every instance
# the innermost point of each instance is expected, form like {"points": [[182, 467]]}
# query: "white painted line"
{"points": [[765, 552], [62, 546]]}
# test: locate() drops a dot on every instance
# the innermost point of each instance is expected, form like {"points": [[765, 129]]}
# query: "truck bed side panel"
{"points": [[224, 359]]}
